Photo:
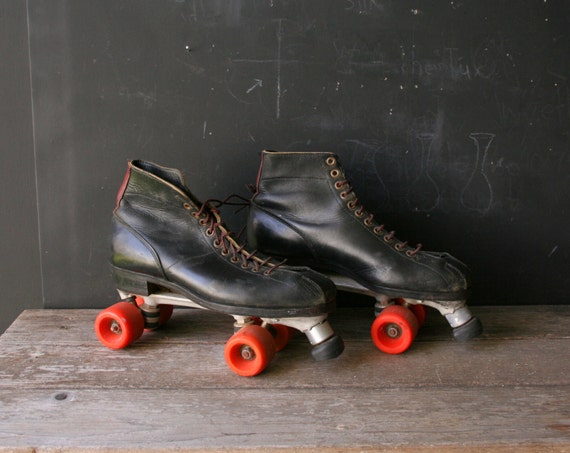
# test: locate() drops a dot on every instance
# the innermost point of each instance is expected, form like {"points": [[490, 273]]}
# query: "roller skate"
{"points": [[305, 209], [169, 249]]}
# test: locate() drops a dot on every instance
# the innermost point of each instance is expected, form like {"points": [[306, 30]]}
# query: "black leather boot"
{"points": [[305, 209], [166, 241]]}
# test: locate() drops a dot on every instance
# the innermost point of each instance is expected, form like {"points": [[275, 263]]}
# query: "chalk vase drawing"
{"points": [[424, 194], [477, 195]]}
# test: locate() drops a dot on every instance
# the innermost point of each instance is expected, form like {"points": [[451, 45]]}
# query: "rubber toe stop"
{"points": [[471, 329], [328, 349]]}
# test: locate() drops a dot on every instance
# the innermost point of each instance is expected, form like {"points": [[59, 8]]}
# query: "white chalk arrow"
{"points": [[258, 83]]}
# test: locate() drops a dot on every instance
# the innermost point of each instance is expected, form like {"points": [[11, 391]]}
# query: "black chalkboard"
{"points": [[451, 118]]}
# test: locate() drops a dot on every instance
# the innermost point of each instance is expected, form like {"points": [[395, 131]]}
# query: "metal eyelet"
{"points": [[343, 195], [359, 213], [217, 242], [399, 246], [351, 205], [203, 222], [234, 259], [387, 238], [338, 185], [368, 222], [187, 206], [377, 230], [331, 161], [410, 253], [225, 252], [209, 232], [335, 173]]}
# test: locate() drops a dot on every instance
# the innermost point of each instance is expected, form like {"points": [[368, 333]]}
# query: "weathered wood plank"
{"points": [[293, 418], [189, 326], [63, 351], [183, 366], [508, 391]]}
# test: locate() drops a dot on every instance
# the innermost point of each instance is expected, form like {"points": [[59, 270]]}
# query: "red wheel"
{"points": [[119, 325], [417, 309], [420, 312], [250, 350], [164, 312], [282, 336], [394, 329]]}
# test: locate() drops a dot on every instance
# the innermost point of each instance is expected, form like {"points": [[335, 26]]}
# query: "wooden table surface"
{"points": [[507, 391]]}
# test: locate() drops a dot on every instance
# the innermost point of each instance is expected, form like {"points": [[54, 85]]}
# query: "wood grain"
{"points": [[172, 391]]}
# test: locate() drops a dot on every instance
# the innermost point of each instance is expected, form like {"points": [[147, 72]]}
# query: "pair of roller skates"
{"points": [[170, 249]]}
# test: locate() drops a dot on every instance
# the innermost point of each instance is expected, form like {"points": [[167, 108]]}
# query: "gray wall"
{"points": [[20, 268], [452, 119]]}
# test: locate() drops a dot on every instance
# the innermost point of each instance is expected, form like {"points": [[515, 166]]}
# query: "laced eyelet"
{"points": [[351, 205], [225, 252], [234, 259], [338, 185], [217, 242], [331, 161], [209, 232], [343, 195], [388, 239], [410, 253], [335, 173], [187, 206], [378, 230], [245, 266], [359, 213], [368, 222], [400, 246], [203, 222]]}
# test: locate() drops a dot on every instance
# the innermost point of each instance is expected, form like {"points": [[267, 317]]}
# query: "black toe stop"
{"points": [[328, 349], [471, 329]]}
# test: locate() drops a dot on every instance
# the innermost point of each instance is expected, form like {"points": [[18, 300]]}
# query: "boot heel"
{"points": [[131, 282]]}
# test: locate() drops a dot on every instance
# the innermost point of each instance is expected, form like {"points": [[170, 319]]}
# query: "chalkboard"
{"points": [[452, 120]]}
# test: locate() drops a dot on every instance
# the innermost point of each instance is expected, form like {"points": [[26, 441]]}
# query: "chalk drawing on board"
{"points": [[242, 84], [477, 195], [424, 194]]}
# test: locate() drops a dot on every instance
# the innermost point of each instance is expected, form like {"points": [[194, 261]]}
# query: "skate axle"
{"points": [[247, 353], [115, 328], [393, 331]]}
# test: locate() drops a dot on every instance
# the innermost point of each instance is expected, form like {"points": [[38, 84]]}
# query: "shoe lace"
{"points": [[359, 211], [224, 239]]}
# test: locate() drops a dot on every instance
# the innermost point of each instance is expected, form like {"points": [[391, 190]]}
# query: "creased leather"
{"points": [[298, 213], [156, 236]]}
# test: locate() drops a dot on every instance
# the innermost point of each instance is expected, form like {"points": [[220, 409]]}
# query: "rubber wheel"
{"points": [[119, 325], [417, 309], [420, 312], [250, 350], [394, 329], [282, 336], [164, 314]]}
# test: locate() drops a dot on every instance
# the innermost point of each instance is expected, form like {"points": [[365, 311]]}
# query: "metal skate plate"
{"points": [[455, 311], [316, 328]]}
